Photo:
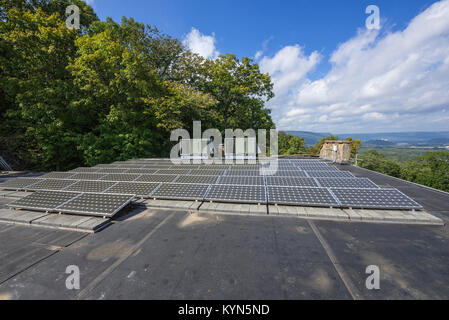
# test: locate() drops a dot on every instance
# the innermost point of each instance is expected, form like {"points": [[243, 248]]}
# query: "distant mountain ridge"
{"points": [[388, 138], [311, 138]]}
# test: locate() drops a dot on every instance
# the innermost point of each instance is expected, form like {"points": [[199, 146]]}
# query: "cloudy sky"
{"points": [[330, 73]]}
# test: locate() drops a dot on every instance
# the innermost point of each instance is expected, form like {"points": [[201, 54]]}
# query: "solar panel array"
{"points": [[44, 200], [98, 204], [301, 196], [375, 198], [233, 193], [179, 191], [294, 182], [142, 189]]}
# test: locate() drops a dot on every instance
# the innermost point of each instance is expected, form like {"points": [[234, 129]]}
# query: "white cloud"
{"points": [[258, 54], [288, 67], [90, 2], [201, 44], [393, 82]]}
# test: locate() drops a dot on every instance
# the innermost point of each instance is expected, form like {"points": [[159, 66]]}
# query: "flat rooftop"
{"points": [[151, 253]]}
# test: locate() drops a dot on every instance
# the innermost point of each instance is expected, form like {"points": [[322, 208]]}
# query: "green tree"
{"points": [[50, 7], [235, 84], [289, 144], [110, 91], [355, 145], [374, 160], [36, 88], [431, 170]]}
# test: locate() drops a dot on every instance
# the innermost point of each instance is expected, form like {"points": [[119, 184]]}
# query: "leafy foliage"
{"points": [[110, 91], [355, 146], [290, 145], [431, 170], [374, 160]]}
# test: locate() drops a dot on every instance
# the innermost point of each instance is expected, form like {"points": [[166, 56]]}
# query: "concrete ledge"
{"points": [[173, 204], [234, 208], [56, 221], [19, 216], [72, 222], [5, 193], [393, 216], [326, 213], [308, 212], [357, 215]]}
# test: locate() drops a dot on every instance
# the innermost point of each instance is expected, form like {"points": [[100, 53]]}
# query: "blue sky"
{"points": [[330, 72]]}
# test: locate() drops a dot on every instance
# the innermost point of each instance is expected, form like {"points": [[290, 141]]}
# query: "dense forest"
{"points": [[111, 91], [431, 169]]}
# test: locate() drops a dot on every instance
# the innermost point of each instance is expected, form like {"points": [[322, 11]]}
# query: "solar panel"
{"points": [[43, 200], [301, 196], [283, 167], [186, 166], [206, 172], [243, 194], [346, 183], [112, 170], [19, 183], [142, 189], [318, 168], [85, 169], [375, 198], [247, 173], [291, 181], [239, 180], [90, 186], [102, 165], [156, 178], [156, 166], [283, 173], [121, 177], [330, 174], [130, 166], [88, 176], [142, 171], [282, 164], [51, 184], [214, 167], [97, 204], [57, 175], [180, 191], [245, 167], [197, 179], [277, 167], [173, 171], [309, 163]]}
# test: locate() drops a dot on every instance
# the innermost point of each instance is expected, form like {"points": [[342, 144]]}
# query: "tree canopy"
{"points": [[111, 91], [290, 145], [431, 170]]}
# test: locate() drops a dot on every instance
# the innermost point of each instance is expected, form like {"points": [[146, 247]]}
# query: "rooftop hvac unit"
{"points": [[195, 149]]}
